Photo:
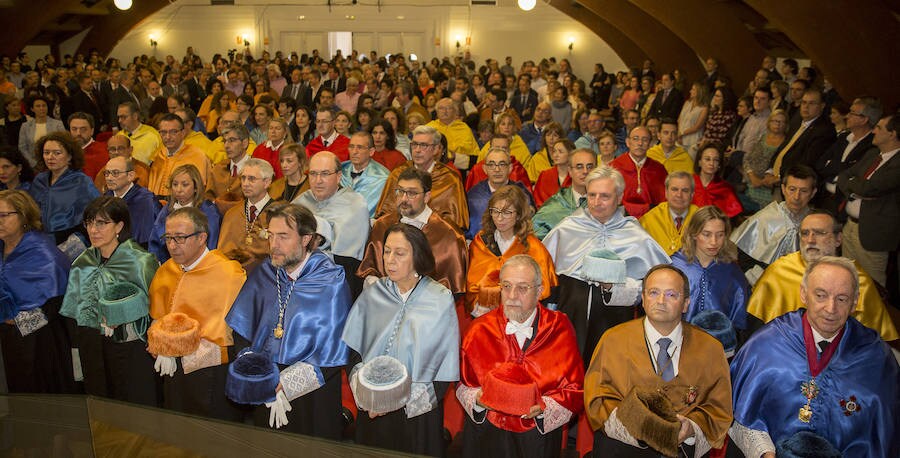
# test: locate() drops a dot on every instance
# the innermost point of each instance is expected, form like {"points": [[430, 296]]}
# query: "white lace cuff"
{"points": [[752, 442], [208, 354], [300, 379], [422, 399], [625, 295], [466, 396], [700, 443], [616, 430], [554, 415], [29, 321]]}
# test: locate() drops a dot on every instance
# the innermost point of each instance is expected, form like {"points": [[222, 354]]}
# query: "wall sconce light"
{"points": [[458, 44], [571, 43], [153, 42], [246, 40]]}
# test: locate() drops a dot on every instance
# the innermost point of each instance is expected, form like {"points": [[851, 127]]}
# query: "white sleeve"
{"points": [[700, 443], [301, 378], [466, 396], [616, 430], [752, 442], [626, 294], [554, 415]]}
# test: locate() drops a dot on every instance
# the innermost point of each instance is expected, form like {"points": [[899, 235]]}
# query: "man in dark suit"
{"points": [[297, 89], [196, 87], [335, 82], [814, 135], [849, 148], [123, 93], [525, 99], [174, 86], [712, 73], [667, 104], [84, 99], [872, 187]]}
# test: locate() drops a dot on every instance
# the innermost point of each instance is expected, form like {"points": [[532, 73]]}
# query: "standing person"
{"points": [[293, 309], [107, 299], [142, 204], [33, 277], [412, 318], [521, 375], [692, 119]]}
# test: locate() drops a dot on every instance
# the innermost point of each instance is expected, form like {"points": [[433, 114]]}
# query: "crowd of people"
{"points": [[636, 264]]}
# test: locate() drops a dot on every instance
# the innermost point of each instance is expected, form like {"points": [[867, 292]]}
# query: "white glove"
{"points": [[106, 330], [278, 410], [165, 365]]}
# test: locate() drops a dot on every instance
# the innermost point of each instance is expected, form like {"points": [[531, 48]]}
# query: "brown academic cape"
{"points": [[234, 236], [447, 195], [223, 189]]}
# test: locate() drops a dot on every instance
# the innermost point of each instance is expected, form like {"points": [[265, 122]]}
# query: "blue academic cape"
{"points": [[158, 247], [62, 204], [33, 273], [718, 286], [143, 207], [369, 185]]}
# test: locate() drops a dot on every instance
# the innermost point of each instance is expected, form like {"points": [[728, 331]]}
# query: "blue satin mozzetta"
{"points": [[313, 319], [369, 185], [767, 373], [718, 286], [33, 273], [143, 207], [62, 204]]}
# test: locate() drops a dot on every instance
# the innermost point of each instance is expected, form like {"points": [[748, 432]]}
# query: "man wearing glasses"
{"points": [[328, 138], [361, 173], [497, 165], [216, 151], [174, 153], [659, 357], [344, 209], [120, 146], [142, 204], [145, 140], [644, 178], [224, 187], [447, 195], [566, 200], [521, 375], [201, 284], [413, 194], [243, 235]]}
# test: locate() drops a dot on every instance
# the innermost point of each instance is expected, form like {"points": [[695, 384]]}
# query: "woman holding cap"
{"points": [[410, 318], [107, 298]]}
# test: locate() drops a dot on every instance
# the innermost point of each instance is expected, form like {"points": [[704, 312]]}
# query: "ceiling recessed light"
{"points": [[301, 17], [401, 17]]}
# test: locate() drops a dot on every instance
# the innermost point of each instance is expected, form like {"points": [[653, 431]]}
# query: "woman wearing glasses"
{"points": [[107, 298], [33, 276], [506, 231], [411, 318], [187, 191], [61, 191]]}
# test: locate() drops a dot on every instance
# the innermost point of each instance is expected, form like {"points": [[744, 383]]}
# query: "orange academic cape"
{"points": [[163, 165], [447, 195], [701, 391], [205, 293], [552, 359], [482, 262]]}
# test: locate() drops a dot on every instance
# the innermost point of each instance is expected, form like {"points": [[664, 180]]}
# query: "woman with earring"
{"points": [[411, 318], [107, 299]]}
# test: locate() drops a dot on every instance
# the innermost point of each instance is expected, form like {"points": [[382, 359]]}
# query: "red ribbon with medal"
{"points": [[810, 389]]}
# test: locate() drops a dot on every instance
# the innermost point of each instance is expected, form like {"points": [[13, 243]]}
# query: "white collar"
{"points": [[675, 215], [271, 146], [492, 188], [818, 338], [636, 162], [194, 264], [331, 138], [422, 217], [295, 274], [676, 336], [122, 196], [259, 204], [577, 195], [239, 164]]}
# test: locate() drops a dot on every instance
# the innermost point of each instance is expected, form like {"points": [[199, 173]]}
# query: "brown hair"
{"points": [[515, 198], [29, 214], [728, 253], [199, 187], [68, 142]]}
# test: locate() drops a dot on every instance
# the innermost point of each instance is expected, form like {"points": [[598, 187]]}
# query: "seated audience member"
{"points": [[461, 144], [668, 152], [385, 142], [667, 222], [279, 136], [187, 191], [174, 154], [294, 181], [15, 171], [141, 203], [244, 237], [644, 177], [569, 199], [540, 161], [709, 187], [328, 139], [550, 181], [120, 146], [497, 165], [361, 173]]}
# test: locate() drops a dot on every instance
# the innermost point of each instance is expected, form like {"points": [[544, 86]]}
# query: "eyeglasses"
{"points": [[178, 239], [587, 167], [409, 193], [501, 213], [97, 224], [114, 173], [323, 174], [520, 289], [231, 139], [414, 145], [496, 165], [668, 295], [7, 214]]}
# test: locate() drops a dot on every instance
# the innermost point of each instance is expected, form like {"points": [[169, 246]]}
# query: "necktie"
{"points": [[294, 91], [823, 345], [522, 331], [251, 213], [678, 221], [873, 167], [325, 143], [781, 154], [582, 201], [412, 222], [233, 171], [355, 175], [664, 361]]}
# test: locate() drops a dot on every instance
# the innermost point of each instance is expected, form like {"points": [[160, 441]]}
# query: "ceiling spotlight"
{"points": [[527, 5], [122, 4]]}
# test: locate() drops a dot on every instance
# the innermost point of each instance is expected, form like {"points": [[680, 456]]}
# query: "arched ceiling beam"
{"points": [[108, 31], [622, 44]]}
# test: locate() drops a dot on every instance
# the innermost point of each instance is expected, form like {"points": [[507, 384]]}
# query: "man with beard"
{"points": [[81, 126]]}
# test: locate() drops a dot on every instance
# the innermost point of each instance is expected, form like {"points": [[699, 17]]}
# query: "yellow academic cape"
{"points": [[145, 141], [200, 141], [216, 151], [621, 362], [448, 198], [517, 149], [659, 224], [163, 165], [459, 137], [778, 292], [537, 163], [205, 293], [679, 160]]}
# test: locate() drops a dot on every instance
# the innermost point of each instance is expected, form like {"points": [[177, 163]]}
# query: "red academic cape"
{"points": [[95, 158], [516, 173], [718, 193], [552, 359], [338, 147], [548, 184], [389, 158], [641, 192], [271, 156]]}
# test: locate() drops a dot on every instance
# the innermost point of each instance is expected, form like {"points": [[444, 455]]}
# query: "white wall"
{"points": [[428, 31]]}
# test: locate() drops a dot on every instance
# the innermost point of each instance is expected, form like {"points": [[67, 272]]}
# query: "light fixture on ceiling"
{"points": [[527, 5], [122, 4]]}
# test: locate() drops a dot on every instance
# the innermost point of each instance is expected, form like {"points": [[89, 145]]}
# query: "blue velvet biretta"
{"points": [[252, 378], [806, 444], [718, 325]]}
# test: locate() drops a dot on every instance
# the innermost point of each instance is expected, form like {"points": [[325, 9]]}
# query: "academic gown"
{"points": [[517, 174], [270, 155], [678, 160], [279, 189], [246, 244], [447, 244], [550, 357], [460, 140], [369, 185], [95, 158], [622, 362], [204, 293], [447, 195], [478, 198], [62, 204], [313, 320], [143, 207], [777, 292], [644, 188], [223, 189], [719, 286], [483, 261], [548, 184], [338, 147], [554, 210], [769, 234], [576, 237], [163, 165], [158, 247], [118, 366], [768, 371], [423, 333], [658, 222], [389, 158], [719, 193], [34, 276]]}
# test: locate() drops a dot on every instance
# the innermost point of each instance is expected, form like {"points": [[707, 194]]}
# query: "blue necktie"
{"points": [[664, 361]]}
